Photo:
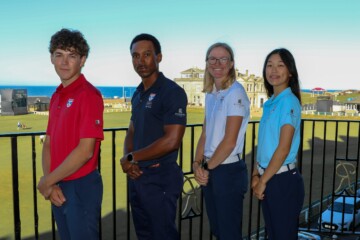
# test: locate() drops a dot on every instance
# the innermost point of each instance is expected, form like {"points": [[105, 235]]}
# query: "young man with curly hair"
{"points": [[71, 179]]}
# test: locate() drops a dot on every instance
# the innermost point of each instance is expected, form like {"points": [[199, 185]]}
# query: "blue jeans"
{"points": [[282, 204], [224, 195], [78, 217]]}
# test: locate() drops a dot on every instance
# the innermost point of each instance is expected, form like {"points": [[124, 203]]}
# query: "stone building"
{"points": [[38, 104], [191, 81], [13, 102], [254, 87]]}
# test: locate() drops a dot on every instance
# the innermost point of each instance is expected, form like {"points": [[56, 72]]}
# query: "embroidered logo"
{"points": [[152, 96], [238, 102], [97, 122], [273, 109], [180, 113], [69, 102], [149, 102]]}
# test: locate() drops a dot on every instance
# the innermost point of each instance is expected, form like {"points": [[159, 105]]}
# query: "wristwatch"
{"points": [[205, 165], [130, 158]]}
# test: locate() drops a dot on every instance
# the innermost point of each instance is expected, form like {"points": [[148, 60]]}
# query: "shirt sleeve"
{"points": [[91, 125], [237, 103], [290, 113], [175, 102]]}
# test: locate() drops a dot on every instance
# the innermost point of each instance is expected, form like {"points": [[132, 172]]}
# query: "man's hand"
{"points": [[44, 188], [132, 170], [57, 197]]}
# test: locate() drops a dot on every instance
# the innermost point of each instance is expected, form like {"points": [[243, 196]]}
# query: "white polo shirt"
{"points": [[232, 101]]}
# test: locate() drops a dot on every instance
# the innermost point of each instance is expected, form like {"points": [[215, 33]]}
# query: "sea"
{"points": [[107, 92], [47, 91]]}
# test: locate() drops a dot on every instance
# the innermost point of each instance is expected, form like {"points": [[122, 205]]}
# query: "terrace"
{"points": [[328, 159]]}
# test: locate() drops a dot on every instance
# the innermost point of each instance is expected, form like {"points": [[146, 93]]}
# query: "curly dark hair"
{"points": [[69, 40]]}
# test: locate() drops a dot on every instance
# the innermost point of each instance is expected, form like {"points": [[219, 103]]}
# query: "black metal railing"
{"points": [[328, 159]]}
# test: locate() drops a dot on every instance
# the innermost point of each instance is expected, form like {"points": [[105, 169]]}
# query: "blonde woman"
{"points": [[218, 166]]}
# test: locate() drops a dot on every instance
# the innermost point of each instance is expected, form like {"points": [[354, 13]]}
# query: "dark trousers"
{"points": [[153, 198], [224, 196], [282, 204], [78, 218]]}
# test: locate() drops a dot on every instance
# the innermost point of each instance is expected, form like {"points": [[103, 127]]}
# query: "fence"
{"points": [[328, 159]]}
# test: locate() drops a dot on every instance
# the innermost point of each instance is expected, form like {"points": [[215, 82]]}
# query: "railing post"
{"points": [[36, 216], [15, 182]]}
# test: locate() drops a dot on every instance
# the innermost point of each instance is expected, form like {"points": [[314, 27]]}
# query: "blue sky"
{"points": [[323, 35]]}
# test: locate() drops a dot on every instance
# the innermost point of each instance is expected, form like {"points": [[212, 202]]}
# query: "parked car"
{"points": [[346, 215], [302, 236], [308, 236]]}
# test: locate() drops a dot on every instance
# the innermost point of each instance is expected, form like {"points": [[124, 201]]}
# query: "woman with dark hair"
{"points": [[276, 181], [218, 166]]}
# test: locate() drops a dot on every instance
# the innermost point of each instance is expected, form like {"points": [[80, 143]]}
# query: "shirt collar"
{"points": [[221, 91], [157, 84], [276, 99], [80, 80]]}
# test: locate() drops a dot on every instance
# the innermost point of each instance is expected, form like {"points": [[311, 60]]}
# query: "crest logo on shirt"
{"points": [[69, 102], [149, 102], [152, 96], [180, 113], [273, 109], [238, 102]]}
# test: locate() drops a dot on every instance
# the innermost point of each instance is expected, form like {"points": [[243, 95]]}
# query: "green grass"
{"points": [[37, 123]]}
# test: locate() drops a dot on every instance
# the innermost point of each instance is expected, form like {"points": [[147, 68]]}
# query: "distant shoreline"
{"points": [[47, 91], [107, 91]]}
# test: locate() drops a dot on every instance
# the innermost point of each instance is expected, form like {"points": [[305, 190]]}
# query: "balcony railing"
{"points": [[328, 159]]}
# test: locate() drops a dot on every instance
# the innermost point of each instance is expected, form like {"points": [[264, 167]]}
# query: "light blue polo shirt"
{"points": [[232, 101], [277, 112]]}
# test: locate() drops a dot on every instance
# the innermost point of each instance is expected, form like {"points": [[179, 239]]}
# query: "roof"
{"points": [[347, 199], [318, 89], [193, 70], [39, 99]]}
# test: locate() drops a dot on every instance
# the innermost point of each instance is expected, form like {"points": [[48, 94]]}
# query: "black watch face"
{"points": [[130, 157], [205, 165]]}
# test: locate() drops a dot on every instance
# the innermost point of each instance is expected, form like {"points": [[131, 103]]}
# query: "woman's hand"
{"points": [[201, 175], [258, 187]]}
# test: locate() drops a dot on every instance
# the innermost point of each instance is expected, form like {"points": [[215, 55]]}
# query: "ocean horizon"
{"points": [[47, 91], [107, 92]]}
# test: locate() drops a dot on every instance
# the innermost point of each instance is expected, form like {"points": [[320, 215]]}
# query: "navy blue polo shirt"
{"points": [[164, 103]]}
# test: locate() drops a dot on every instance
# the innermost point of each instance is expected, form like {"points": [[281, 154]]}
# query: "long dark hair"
{"points": [[289, 62]]}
